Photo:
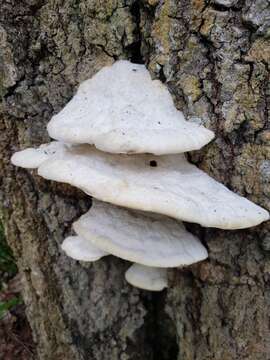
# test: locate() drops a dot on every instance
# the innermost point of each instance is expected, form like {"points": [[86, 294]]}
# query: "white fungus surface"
{"points": [[122, 110], [78, 248], [163, 184], [32, 158], [147, 278], [144, 238]]}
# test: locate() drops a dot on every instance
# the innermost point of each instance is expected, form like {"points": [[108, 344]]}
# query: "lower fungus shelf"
{"points": [[141, 276], [144, 238], [80, 249], [154, 242]]}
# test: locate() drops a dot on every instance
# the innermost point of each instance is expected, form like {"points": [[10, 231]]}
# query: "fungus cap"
{"points": [[147, 278], [78, 248], [144, 238], [122, 110], [163, 184], [32, 158]]}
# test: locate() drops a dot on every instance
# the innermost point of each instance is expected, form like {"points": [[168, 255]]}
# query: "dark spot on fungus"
{"points": [[153, 163]]}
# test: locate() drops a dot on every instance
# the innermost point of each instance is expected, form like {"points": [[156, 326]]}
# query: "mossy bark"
{"points": [[214, 57]]}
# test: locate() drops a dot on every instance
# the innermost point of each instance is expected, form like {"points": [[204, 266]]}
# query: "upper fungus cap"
{"points": [[78, 248], [163, 184], [122, 110], [144, 238], [147, 278]]}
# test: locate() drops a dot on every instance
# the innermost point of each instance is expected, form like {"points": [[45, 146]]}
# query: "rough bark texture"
{"points": [[214, 58]]}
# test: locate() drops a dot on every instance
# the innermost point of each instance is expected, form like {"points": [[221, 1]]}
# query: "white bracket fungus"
{"points": [[121, 110], [147, 278], [32, 158], [80, 249], [166, 184], [147, 239]]}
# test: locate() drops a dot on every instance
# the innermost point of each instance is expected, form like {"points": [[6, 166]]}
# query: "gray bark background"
{"points": [[214, 57]]}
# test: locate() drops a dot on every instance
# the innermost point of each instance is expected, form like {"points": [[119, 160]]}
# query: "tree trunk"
{"points": [[214, 58]]}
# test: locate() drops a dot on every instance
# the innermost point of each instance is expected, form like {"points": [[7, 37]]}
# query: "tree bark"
{"points": [[214, 57]]}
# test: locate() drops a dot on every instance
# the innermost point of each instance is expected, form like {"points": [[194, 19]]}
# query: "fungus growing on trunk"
{"points": [[144, 238], [172, 187], [146, 277], [122, 110], [80, 249], [32, 158]]}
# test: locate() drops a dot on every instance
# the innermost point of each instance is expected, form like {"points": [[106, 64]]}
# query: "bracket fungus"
{"points": [[32, 158], [79, 249], [122, 110], [130, 119], [147, 278], [147, 239], [172, 187]]}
